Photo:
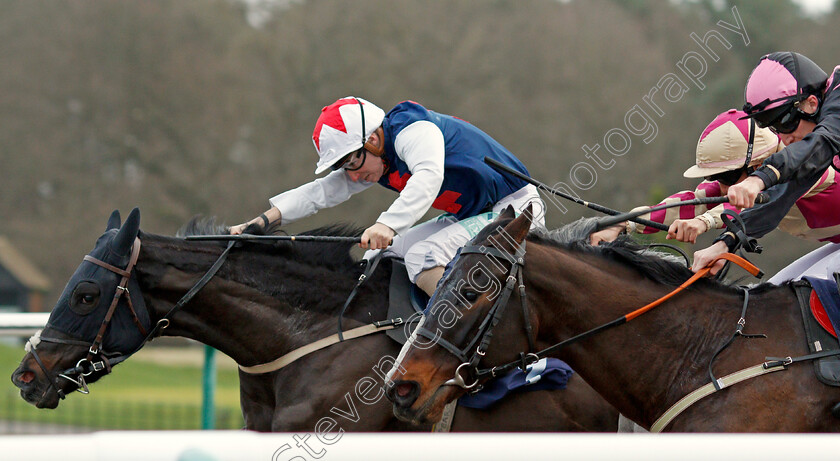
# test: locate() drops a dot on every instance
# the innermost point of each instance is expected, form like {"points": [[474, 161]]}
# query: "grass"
{"points": [[138, 395]]}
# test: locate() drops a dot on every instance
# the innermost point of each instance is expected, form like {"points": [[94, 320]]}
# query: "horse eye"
{"points": [[85, 298], [470, 295]]}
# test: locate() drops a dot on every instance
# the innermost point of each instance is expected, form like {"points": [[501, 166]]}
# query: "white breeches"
{"points": [[820, 263], [435, 242]]}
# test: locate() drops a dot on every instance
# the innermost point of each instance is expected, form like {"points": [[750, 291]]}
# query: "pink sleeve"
{"points": [[669, 215]]}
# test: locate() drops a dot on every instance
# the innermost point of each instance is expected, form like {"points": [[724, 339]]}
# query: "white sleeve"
{"points": [[421, 146], [321, 193]]}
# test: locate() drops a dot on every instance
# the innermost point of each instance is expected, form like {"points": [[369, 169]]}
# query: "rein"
{"points": [[98, 359], [95, 350], [492, 318]]}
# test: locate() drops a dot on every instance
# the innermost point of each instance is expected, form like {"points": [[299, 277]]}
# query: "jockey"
{"points": [[791, 95], [432, 160], [724, 158]]}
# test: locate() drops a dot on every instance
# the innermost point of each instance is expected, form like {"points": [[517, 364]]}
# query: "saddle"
{"points": [[815, 305], [405, 301]]}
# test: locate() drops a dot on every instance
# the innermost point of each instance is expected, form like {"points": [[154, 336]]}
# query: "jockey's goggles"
{"points": [[787, 121], [781, 120], [352, 161], [727, 178]]}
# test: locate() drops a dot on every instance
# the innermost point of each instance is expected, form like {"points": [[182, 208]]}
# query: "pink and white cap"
{"points": [[338, 130], [723, 145], [779, 79]]}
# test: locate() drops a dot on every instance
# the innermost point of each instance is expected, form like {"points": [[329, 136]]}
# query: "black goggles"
{"points": [[727, 178], [352, 161], [784, 121]]}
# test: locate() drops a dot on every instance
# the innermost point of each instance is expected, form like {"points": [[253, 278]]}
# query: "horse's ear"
{"points": [[519, 227], [507, 213], [128, 232], [114, 220]]}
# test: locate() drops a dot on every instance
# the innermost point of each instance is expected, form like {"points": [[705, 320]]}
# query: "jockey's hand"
{"points": [[743, 194], [687, 230], [376, 237], [703, 257], [606, 235], [237, 229]]}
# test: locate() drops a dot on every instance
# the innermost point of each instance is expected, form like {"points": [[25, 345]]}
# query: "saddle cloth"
{"points": [[405, 300], [825, 304], [819, 333], [548, 374]]}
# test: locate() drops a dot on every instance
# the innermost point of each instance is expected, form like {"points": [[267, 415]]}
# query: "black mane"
{"points": [[657, 266], [331, 254]]}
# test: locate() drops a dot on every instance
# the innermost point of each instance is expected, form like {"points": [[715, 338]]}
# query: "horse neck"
{"points": [[256, 308], [635, 364]]}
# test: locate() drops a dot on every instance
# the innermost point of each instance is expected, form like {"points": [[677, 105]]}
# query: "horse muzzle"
{"points": [[34, 390]]}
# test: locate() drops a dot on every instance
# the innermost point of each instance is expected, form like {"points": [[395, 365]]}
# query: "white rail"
{"points": [[22, 323], [242, 445]]}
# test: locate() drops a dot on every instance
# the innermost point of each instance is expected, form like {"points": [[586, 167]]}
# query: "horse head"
{"points": [[99, 319], [439, 362]]}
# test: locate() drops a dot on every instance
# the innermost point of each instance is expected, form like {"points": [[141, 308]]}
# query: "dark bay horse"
{"points": [[264, 301], [642, 366]]}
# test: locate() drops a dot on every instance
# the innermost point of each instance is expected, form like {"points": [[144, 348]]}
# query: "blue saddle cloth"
{"points": [[547, 374], [829, 297]]}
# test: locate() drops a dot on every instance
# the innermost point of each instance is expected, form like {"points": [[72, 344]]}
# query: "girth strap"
{"points": [[711, 388], [290, 357]]}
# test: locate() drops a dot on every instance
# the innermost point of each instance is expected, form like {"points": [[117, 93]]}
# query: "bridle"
{"points": [[471, 355], [515, 274], [98, 359]]}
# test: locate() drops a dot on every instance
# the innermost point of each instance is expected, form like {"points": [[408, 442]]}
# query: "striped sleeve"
{"points": [[669, 215]]}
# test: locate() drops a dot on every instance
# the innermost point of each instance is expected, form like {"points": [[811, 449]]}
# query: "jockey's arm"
{"points": [[308, 199], [421, 147]]}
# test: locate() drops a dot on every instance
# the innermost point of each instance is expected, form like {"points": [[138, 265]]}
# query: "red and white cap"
{"points": [[723, 145], [338, 130]]}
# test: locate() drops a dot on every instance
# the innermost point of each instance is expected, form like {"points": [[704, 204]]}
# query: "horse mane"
{"points": [[660, 267], [328, 254]]}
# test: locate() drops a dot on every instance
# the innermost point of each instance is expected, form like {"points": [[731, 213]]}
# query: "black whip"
{"points": [[291, 238], [603, 223], [505, 169]]}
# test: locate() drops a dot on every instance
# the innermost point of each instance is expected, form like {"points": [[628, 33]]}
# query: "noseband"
{"points": [[98, 359], [471, 357]]}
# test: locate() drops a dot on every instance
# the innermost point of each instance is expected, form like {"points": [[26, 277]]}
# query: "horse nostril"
{"points": [[404, 393], [22, 378], [403, 389], [26, 377]]}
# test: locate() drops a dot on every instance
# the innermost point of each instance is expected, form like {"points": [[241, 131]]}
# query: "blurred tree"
{"points": [[190, 106]]}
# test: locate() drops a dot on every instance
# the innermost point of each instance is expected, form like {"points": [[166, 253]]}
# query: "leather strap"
{"points": [[370, 266], [711, 388], [118, 292], [286, 359]]}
